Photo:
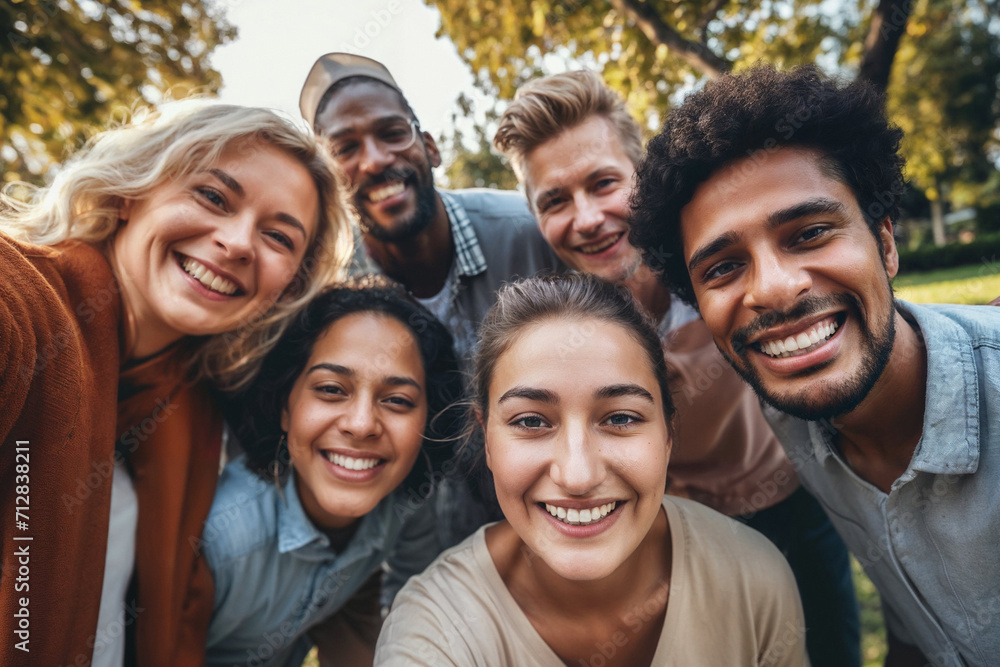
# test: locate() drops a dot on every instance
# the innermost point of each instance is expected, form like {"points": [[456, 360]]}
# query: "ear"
{"points": [[887, 244], [124, 210], [432, 149], [284, 419]]}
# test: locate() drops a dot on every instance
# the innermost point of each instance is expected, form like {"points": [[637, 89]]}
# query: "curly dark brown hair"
{"points": [[750, 114]]}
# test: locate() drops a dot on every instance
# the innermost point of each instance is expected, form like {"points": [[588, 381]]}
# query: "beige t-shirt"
{"points": [[732, 602]]}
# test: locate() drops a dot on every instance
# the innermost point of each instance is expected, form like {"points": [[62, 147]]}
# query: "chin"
{"points": [[573, 566]]}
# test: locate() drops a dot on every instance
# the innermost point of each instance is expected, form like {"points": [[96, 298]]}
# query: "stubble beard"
{"points": [[834, 400]]}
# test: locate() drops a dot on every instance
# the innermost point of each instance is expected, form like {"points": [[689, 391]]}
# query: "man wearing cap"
{"points": [[451, 249]]}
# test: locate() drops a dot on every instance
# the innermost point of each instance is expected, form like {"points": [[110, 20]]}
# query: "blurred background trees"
{"points": [[937, 60], [68, 66]]}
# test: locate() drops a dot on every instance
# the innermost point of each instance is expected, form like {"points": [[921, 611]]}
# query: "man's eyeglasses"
{"points": [[393, 136]]}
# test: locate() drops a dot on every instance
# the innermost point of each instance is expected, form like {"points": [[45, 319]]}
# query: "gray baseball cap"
{"points": [[330, 69]]}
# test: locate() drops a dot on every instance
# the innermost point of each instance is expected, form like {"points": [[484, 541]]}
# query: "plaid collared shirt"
{"points": [[470, 256]]}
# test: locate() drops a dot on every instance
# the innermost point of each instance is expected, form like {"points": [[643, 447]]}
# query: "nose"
{"points": [[589, 216], [373, 157], [360, 420], [235, 237], [578, 466], [775, 283]]}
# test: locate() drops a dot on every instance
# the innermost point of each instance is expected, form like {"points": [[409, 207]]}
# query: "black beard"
{"points": [[837, 400], [407, 228]]}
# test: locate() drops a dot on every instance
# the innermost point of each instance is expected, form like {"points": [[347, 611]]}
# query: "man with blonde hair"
{"points": [[574, 147]]}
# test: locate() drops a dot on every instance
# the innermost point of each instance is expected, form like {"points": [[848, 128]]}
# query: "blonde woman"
{"points": [[164, 259]]}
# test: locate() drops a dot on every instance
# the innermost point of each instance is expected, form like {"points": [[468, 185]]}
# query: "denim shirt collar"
{"points": [[297, 532], [951, 404]]}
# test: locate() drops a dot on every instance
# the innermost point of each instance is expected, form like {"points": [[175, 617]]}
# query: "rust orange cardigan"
{"points": [[60, 348]]}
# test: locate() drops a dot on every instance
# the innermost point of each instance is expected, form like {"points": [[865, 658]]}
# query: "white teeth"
{"points": [[351, 463], [580, 517], [376, 195], [801, 341], [206, 277]]}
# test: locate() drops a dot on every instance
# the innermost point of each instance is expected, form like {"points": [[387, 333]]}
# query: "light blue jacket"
{"points": [[276, 575], [932, 544]]}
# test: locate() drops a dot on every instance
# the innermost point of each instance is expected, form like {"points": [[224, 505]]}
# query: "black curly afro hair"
{"points": [[762, 109]]}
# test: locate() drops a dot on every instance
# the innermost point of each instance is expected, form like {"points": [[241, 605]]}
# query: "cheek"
{"points": [[516, 468], [408, 436]]}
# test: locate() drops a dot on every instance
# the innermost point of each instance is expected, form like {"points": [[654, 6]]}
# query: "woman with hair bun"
{"points": [[163, 260], [593, 564]]}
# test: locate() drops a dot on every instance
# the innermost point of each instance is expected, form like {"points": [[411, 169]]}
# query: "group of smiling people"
{"points": [[178, 303]]}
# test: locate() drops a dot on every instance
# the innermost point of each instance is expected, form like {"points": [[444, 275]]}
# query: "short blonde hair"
{"points": [[127, 162], [544, 108]]}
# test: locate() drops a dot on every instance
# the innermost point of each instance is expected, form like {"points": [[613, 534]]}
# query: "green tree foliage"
{"points": [[67, 67], [478, 167], [942, 56], [945, 96]]}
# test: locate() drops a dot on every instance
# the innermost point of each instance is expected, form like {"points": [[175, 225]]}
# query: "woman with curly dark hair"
{"points": [[346, 430]]}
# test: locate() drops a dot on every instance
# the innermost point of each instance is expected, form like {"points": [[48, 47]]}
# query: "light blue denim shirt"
{"points": [[932, 544], [276, 575]]}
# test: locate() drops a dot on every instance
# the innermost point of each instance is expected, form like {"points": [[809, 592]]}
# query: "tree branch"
{"points": [[707, 16], [887, 27], [658, 32]]}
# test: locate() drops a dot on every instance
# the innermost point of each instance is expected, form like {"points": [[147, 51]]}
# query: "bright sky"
{"points": [[279, 42]]}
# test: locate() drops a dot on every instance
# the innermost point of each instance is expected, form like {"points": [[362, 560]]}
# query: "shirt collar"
{"points": [[296, 531], [471, 261], [949, 443]]}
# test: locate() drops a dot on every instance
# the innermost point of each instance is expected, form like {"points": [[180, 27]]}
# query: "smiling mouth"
{"points": [[594, 248], [382, 192], [804, 341], [208, 278], [575, 517], [352, 463]]}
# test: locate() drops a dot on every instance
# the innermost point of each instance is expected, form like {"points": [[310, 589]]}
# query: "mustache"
{"points": [[389, 175], [809, 305]]}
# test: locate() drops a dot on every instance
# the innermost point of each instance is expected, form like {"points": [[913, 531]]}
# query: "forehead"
{"points": [[741, 196], [572, 356], [576, 153], [370, 342], [358, 104]]}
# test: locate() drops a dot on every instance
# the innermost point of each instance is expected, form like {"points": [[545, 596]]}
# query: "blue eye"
{"points": [[622, 420], [212, 196]]}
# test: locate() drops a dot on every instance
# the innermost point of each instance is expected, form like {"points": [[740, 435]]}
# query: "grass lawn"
{"points": [[975, 284]]}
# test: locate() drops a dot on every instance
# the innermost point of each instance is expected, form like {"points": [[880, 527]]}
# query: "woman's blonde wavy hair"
{"points": [[127, 162]]}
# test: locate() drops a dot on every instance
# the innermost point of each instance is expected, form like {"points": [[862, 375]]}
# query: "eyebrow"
{"points": [[235, 186], [545, 396], [228, 181], [618, 390], [333, 368], [391, 380], [817, 206], [531, 394]]}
